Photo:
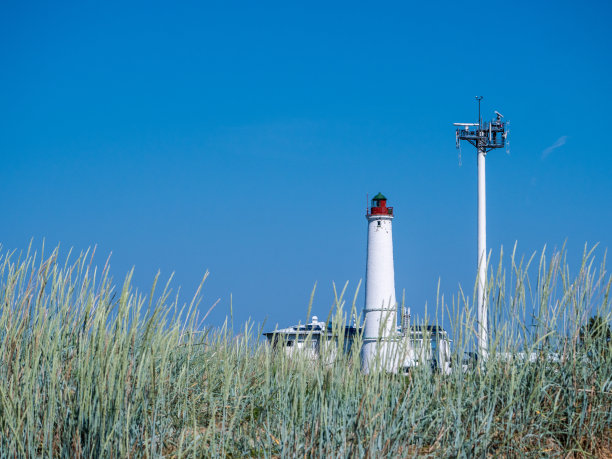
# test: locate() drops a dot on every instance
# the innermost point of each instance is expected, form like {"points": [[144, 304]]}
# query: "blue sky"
{"points": [[243, 138]]}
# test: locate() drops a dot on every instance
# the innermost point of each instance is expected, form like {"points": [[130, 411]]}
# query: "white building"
{"points": [[420, 345]]}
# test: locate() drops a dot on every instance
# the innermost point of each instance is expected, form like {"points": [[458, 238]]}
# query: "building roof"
{"points": [[318, 328], [429, 328], [379, 197]]}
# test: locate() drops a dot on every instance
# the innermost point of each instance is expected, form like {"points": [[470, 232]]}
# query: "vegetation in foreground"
{"points": [[90, 371]]}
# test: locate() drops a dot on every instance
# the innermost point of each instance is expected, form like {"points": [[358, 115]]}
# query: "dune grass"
{"points": [[90, 370]]}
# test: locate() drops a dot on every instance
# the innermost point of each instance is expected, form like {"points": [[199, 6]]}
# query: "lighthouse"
{"points": [[380, 306]]}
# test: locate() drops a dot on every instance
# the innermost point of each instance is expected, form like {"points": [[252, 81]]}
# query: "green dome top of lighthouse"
{"points": [[379, 197]]}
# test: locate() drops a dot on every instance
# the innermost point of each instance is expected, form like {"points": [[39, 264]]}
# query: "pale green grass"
{"points": [[87, 370]]}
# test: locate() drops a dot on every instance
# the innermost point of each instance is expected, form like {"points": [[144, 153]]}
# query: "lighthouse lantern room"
{"points": [[379, 206]]}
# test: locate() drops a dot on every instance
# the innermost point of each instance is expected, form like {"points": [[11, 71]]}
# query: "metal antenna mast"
{"points": [[485, 137]]}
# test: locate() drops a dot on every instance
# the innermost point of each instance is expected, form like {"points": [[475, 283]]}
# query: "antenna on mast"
{"points": [[484, 136], [479, 98]]}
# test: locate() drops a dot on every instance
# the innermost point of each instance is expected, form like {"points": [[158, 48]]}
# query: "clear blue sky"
{"points": [[242, 138]]}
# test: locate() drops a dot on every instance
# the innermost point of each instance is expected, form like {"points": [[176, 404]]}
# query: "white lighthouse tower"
{"points": [[380, 306]]}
